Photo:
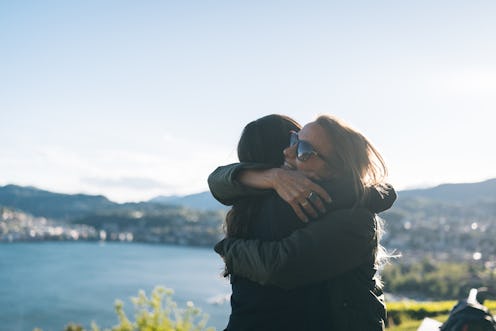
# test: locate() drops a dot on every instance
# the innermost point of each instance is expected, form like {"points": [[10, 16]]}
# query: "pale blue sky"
{"points": [[135, 99]]}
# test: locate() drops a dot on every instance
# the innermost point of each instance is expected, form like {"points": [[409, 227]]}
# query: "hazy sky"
{"points": [[133, 99]]}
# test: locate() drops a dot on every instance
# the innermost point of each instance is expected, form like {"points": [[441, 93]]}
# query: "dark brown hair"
{"points": [[262, 141]]}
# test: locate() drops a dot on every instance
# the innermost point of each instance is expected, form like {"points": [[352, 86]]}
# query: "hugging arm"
{"points": [[378, 198], [341, 241], [238, 180], [381, 198], [226, 187]]}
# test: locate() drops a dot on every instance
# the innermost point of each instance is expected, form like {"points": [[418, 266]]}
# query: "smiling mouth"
{"points": [[288, 166]]}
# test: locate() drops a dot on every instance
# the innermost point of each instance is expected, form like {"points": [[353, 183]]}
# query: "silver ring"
{"points": [[311, 196], [304, 203]]}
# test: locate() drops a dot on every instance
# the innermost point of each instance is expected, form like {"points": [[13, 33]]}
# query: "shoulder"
{"points": [[277, 212]]}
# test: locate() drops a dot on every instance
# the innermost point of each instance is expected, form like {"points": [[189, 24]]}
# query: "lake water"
{"points": [[49, 284]]}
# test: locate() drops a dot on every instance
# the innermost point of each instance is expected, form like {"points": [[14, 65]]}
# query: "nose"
{"points": [[290, 152]]}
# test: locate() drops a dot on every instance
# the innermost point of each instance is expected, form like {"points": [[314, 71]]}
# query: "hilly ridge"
{"points": [[461, 192], [75, 206], [200, 201], [49, 204]]}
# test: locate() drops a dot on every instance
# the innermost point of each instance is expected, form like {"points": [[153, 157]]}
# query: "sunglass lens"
{"points": [[293, 138], [305, 150]]}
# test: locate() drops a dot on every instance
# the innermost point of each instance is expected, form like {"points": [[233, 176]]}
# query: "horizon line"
{"points": [[406, 188]]}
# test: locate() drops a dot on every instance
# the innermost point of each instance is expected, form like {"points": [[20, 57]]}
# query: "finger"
{"points": [[309, 209], [321, 192], [299, 212], [317, 203]]}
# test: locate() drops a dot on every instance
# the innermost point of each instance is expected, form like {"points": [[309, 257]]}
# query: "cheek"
{"points": [[322, 170], [325, 173], [314, 168], [303, 165]]}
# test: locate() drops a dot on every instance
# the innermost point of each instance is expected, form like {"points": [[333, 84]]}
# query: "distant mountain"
{"points": [[447, 193], [75, 206], [200, 201], [456, 193], [52, 205]]}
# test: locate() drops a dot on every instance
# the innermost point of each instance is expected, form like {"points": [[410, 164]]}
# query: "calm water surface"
{"points": [[47, 285]]}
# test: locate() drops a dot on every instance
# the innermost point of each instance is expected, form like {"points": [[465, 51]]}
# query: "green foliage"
{"points": [[155, 313], [436, 280], [407, 315], [74, 327], [399, 312]]}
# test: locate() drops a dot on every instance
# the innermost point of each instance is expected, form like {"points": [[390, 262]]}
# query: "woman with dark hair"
{"points": [[259, 142], [296, 290]]}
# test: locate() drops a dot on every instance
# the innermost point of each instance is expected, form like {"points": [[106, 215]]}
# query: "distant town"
{"points": [[448, 223], [19, 226]]}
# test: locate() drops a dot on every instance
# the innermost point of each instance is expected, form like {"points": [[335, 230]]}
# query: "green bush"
{"points": [[155, 313], [406, 311], [436, 280]]}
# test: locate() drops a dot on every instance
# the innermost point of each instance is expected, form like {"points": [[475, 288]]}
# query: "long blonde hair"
{"points": [[353, 156]]}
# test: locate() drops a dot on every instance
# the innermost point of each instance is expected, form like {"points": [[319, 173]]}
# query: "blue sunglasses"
{"points": [[304, 150]]}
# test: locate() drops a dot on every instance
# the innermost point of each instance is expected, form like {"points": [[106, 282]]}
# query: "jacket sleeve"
{"points": [[341, 241], [225, 187], [381, 198]]}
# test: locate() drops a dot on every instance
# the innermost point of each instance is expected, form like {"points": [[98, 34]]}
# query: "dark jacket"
{"points": [[300, 291], [338, 249]]}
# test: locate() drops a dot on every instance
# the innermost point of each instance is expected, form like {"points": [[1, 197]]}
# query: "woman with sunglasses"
{"points": [[311, 306]]}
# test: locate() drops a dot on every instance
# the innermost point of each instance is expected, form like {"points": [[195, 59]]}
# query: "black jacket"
{"points": [[339, 250], [318, 278]]}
